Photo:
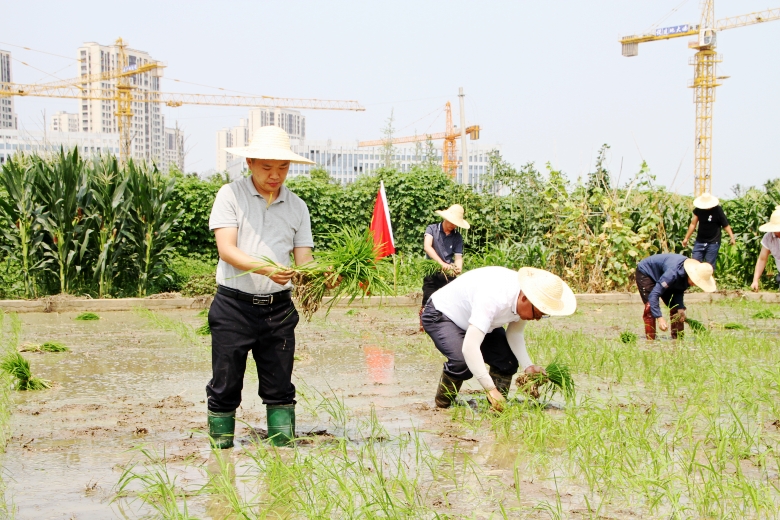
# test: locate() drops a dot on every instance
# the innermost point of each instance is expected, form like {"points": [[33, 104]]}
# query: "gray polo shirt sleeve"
{"points": [[224, 212]]}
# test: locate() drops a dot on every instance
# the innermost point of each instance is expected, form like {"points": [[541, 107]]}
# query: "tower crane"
{"points": [[450, 136], [122, 94], [704, 74]]}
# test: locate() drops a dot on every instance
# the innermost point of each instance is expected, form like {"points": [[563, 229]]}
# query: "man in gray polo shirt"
{"points": [[254, 218]]}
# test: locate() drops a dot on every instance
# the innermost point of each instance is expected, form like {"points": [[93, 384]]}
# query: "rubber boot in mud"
{"points": [[502, 382], [281, 424], [647, 317], [447, 391], [677, 323], [222, 426]]}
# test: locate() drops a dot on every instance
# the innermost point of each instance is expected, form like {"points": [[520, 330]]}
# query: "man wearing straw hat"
{"points": [[666, 277], [256, 217], [466, 322], [710, 217], [769, 244], [443, 243]]}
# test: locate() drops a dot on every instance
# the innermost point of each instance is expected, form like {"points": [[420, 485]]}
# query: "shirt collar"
{"points": [[253, 191]]}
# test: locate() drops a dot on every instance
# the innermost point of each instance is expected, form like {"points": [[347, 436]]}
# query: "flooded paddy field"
{"points": [[656, 430]]}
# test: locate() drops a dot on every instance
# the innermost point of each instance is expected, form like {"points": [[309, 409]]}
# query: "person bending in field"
{"points": [[252, 218], [443, 243], [710, 218], [666, 277], [769, 244], [466, 320]]}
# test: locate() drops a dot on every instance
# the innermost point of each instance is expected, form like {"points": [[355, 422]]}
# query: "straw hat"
{"points": [[454, 214], [774, 222], [272, 143], [547, 292], [701, 274], [705, 201]]}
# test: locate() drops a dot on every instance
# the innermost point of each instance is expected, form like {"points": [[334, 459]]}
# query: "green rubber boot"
{"points": [[222, 426], [502, 381], [281, 424]]}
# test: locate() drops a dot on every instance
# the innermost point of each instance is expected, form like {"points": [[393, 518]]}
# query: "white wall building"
{"points": [[174, 148], [7, 114], [13, 141], [64, 122]]}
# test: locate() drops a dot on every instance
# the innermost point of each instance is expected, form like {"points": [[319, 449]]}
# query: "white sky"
{"points": [[545, 79]]}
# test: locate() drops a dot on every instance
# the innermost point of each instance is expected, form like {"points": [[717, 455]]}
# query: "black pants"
{"points": [[268, 331], [645, 284], [433, 283], [448, 339]]}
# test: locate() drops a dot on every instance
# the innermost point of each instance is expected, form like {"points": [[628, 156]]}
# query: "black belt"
{"points": [[255, 299]]}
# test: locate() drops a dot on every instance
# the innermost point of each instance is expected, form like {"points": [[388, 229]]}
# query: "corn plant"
{"points": [[108, 214], [150, 223], [22, 211], [62, 186]]}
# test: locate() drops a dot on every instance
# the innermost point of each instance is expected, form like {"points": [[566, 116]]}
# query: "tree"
{"points": [[388, 150]]}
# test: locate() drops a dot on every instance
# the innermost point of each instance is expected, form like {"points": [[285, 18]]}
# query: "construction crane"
{"points": [[122, 94], [450, 135], [705, 79]]}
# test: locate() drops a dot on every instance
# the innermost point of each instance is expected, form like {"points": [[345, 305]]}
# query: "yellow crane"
{"points": [[450, 136], [704, 74], [122, 94]]}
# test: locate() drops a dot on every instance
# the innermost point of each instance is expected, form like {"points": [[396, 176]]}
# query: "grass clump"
{"points": [[628, 337], [18, 368], [48, 346], [203, 330], [765, 314], [557, 379], [87, 316]]}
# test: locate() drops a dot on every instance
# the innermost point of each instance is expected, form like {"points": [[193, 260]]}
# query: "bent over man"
{"points": [[466, 320], [253, 218], [666, 277]]}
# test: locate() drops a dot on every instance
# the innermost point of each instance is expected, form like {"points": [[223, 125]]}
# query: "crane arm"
{"points": [[747, 19], [402, 140]]}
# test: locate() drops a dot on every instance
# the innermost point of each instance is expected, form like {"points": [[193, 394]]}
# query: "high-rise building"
{"points": [[7, 114], [291, 121], [45, 143], [174, 148], [64, 122], [227, 138], [98, 116]]}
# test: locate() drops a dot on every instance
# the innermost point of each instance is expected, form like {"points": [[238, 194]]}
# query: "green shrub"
{"points": [[200, 285]]}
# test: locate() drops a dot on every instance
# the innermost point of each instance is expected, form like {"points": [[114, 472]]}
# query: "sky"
{"points": [[545, 80]]}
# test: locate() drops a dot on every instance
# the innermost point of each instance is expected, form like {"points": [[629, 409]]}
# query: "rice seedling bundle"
{"points": [[734, 326], [628, 337], [19, 368], [558, 378], [347, 270], [430, 267], [49, 346], [203, 330], [696, 326], [87, 316], [766, 314]]}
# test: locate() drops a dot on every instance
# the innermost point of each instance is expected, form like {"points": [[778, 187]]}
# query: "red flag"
{"points": [[380, 225]]}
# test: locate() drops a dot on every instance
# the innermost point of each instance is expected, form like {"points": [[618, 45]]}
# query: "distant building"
{"points": [[64, 122], [13, 141], [227, 138], [7, 114], [174, 148]]}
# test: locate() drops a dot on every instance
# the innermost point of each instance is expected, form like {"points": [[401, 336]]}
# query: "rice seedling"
{"points": [[184, 331], [204, 313], [734, 326], [348, 270], [696, 326], [87, 316], [628, 337], [765, 314], [203, 330], [48, 346], [557, 378], [18, 368]]}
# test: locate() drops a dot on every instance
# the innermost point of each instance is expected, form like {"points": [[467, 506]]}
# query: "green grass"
{"points": [[186, 333], [203, 330], [87, 316], [765, 314]]}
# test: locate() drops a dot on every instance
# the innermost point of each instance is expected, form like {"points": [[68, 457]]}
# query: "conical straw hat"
{"points": [[272, 143], [774, 222], [701, 274], [454, 214], [547, 292], [705, 201]]}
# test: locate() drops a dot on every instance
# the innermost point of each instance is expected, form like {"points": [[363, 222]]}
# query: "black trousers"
{"points": [[268, 331], [433, 283], [448, 339]]}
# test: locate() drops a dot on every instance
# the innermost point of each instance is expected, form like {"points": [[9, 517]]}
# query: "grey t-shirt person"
{"points": [[263, 231]]}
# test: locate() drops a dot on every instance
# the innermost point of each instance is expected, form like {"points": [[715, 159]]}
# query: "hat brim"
{"points": [[269, 153], [769, 227], [563, 307], [449, 217], [707, 285], [707, 203]]}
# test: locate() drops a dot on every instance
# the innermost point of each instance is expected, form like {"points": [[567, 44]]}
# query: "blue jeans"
{"points": [[706, 252]]}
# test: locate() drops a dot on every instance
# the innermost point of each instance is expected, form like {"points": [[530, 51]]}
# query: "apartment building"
{"points": [[7, 113], [64, 122], [22, 141]]}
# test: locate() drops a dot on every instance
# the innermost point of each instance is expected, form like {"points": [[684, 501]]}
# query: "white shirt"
{"points": [[771, 242], [485, 297]]}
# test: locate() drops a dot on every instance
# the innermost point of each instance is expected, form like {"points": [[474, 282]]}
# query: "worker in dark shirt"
{"points": [[443, 243], [710, 217], [666, 277]]}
